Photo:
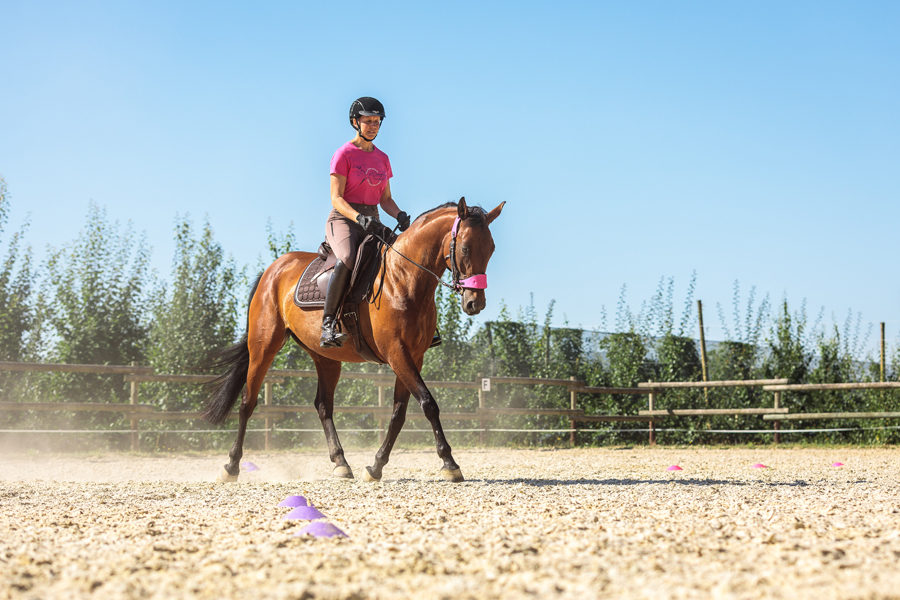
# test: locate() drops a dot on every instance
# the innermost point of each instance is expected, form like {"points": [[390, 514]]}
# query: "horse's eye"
{"points": [[465, 250]]}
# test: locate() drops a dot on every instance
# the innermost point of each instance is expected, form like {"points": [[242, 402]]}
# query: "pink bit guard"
{"points": [[475, 282]]}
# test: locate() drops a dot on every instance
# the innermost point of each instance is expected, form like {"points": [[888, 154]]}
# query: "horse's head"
{"points": [[471, 247]]}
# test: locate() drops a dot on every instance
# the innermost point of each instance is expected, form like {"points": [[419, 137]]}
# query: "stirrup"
{"points": [[330, 337]]}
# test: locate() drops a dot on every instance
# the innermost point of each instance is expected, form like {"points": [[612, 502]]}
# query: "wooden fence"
{"points": [[777, 390], [483, 414]]}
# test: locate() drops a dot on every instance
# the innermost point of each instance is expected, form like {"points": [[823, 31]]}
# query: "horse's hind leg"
{"points": [[263, 349], [329, 372]]}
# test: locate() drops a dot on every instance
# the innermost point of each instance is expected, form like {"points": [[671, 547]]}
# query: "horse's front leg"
{"points": [[408, 372], [398, 417]]}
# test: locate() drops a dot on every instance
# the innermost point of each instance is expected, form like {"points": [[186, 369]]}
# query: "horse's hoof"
{"points": [[454, 475], [342, 472], [226, 477], [367, 476]]}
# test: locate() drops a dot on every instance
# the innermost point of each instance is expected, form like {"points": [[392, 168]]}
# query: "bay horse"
{"points": [[399, 328]]}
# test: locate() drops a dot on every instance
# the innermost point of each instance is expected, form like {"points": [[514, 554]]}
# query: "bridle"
{"points": [[473, 282]]}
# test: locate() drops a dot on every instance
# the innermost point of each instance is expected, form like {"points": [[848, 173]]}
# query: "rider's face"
{"points": [[369, 126]]}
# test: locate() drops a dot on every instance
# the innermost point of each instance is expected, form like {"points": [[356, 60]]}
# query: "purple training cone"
{"points": [[249, 466], [321, 529], [293, 501], [305, 513]]}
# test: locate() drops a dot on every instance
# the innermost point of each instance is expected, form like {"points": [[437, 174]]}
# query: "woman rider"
{"points": [[359, 183]]}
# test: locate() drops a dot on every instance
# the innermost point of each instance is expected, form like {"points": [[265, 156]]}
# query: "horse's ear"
{"points": [[495, 213], [461, 209]]}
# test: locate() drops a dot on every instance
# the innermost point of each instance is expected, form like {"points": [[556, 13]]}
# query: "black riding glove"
{"points": [[403, 220], [367, 222], [374, 226]]}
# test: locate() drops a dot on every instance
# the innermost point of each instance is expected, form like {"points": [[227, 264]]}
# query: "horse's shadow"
{"points": [[626, 482]]}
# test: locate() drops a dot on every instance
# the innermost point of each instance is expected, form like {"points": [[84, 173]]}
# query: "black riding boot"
{"points": [[337, 289], [436, 340]]}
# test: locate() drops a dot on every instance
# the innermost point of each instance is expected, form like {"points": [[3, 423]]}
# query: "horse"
{"points": [[398, 327]]}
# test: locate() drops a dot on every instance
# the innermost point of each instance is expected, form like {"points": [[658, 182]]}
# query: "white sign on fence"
{"points": [[485, 384]]}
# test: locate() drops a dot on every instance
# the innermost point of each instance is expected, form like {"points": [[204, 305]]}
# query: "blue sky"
{"points": [[756, 142]]}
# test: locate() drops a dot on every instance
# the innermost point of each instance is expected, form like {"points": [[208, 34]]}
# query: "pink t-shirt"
{"points": [[367, 173]]}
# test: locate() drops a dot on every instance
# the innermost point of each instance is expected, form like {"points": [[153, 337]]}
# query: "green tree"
{"points": [[94, 309], [96, 304], [17, 311], [788, 356], [510, 344], [677, 359], [626, 358], [197, 315], [17, 282], [452, 360]]}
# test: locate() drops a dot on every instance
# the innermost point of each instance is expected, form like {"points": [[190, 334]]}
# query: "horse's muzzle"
{"points": [[473, 302]]}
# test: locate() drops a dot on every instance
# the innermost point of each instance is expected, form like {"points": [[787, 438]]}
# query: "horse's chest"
{"points": [[401, 303]]}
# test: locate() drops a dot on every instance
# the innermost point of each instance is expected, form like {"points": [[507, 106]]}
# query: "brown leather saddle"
{"points": [[313, 285]]}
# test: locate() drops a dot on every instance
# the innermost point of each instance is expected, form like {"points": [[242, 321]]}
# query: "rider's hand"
{"points": [[403, 220], [366, 222], [375, 227]]}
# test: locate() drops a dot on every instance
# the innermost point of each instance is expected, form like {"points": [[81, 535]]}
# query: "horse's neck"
{"points": [[424, 245]]}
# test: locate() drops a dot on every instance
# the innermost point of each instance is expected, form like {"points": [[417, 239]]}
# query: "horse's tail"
{"points": [[227, 387]]}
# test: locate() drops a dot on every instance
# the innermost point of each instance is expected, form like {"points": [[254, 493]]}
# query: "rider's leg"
{"points": [[337, 289]]}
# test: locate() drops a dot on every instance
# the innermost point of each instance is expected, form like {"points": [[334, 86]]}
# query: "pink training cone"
{"points": [[321, 529], [674, 468], [837, 464], [305, 513], [760, 466], [293, 501]]}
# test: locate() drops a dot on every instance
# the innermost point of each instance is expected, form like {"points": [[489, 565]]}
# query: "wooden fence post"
{"points": [[267, 399], [572, 398], [651, 397], [703, 369], [882, 351], [481, 409], [132, 400], [777, 423]]}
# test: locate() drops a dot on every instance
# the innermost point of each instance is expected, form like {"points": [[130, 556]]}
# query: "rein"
{"points": [[474, 282]]}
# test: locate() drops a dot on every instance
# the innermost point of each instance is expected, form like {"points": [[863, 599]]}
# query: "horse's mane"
{"points": [[476, 213]]}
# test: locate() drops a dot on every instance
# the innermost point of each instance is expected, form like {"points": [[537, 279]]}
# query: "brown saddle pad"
{"points": [[313, 284]]}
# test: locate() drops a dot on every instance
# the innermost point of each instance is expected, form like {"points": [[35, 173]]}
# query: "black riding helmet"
{"points": [[365, 107]]}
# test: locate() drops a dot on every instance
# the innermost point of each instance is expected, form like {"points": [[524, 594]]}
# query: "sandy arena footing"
{"points": [[584, 523]]}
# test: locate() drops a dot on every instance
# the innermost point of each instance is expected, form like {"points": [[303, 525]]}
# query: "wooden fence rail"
{"points": [[655, 388], [822, 387], [482, 414]]}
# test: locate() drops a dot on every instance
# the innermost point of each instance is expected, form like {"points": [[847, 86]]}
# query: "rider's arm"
{"points": [[338, 183], [387, 201]]}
